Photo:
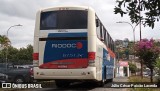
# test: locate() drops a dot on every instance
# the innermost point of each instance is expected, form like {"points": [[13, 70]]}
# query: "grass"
{"points": [[139, 79]]}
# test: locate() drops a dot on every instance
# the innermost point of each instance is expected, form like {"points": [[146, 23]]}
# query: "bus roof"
{"points": [[74, 7]]}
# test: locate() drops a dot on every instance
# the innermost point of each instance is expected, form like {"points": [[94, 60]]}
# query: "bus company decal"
{"points": [[73, 49], [111, 53], [107, 65], [77, 45], [66, 64]]}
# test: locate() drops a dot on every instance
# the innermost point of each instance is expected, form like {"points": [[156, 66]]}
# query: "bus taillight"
{"points": [[91, 55], [35, 59], [35, 56], [91, 58]]}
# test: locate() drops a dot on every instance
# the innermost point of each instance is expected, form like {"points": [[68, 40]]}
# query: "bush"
{"points": [[132, 68]]}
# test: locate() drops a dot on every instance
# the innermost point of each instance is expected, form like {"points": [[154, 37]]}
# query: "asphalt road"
{"points": [[86, 86]]}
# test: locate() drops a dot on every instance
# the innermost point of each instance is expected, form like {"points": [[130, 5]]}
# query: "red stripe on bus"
{"points": [[66, 64], [111, 53]]}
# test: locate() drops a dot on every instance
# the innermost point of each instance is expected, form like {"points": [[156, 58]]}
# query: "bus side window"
{"points": [[111, 44], [97, 23], [98, 29], [108, 39], [113, 47], [102, 33]]}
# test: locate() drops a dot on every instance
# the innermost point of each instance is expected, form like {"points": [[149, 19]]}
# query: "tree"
{"points": [[131, 48], [4, 41], [17, 56], [12, 54], [25, 54], [29, 52], [158, 65], [134, 8], [158, 70], [148, 52], [132, 67]]}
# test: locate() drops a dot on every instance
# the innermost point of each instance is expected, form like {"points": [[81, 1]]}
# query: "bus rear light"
{"points": [[35, 56], [91, 58], [91, 62], [91, 55], [35, 59], [35, 63]]}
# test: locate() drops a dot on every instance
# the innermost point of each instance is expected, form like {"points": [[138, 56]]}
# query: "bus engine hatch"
{"points": [[64, 51]]}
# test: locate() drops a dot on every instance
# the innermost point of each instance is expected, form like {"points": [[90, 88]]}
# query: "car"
{"points": [[3, 77], [17, 75], [145, 74], [156, 74], [23, 66]]}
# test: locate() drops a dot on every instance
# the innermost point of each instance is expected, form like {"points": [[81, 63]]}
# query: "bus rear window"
{"points": [[64, 19]]}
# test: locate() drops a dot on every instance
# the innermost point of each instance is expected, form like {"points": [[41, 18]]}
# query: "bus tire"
{"points": [[61, 84], [101, 83], [19, 79], [111, 80]]}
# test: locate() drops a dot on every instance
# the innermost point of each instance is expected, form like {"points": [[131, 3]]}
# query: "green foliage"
{"points": [[12, 53], [131, 48], [148, 52], [18, 56], [4, 41], [138, 79], [158, 63], [148, 8], [132, 68], [158, 68]]}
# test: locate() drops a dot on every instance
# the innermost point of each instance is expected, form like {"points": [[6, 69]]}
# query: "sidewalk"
{"points": [[120, 79]]}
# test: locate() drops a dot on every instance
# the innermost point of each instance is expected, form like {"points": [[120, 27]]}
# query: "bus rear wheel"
{"points": [[111, 80], [60, 83], [101, 83]]}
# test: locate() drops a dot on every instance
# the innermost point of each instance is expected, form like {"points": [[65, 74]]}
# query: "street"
{"points": [[86, 86]]}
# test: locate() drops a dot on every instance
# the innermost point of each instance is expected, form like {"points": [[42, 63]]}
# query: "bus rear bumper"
{"points": [[88, 73]]}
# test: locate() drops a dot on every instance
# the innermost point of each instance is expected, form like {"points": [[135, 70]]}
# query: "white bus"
{"points": [[71, 44]]}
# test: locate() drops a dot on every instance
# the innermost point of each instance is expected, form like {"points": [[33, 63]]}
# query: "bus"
{"points": [[71, 44]]}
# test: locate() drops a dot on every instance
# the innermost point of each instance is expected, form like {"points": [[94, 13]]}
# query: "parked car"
{"points": [[145, 74], [23, 66], [17, 75], [3, 77]]}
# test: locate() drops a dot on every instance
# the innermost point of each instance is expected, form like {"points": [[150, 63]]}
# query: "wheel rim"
{"points": [[102, 82], [19, 80]]}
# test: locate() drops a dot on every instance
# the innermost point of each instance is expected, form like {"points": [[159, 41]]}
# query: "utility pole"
{"points": [[7, 45], [140, 35]]}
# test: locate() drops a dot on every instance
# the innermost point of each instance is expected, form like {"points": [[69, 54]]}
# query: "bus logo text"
{"points": [[77, 45]]}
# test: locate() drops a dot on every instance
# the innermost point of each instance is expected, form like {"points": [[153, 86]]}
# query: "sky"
{"points": [[13, 12]]}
